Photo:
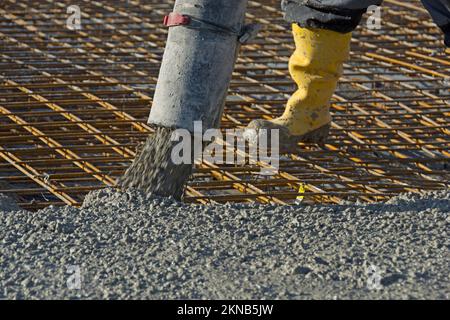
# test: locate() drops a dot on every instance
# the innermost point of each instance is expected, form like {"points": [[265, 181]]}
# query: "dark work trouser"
{"points": [[345, 15]]}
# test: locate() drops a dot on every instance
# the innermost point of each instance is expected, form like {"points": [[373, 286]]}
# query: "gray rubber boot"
{"points": [[288, 142]]}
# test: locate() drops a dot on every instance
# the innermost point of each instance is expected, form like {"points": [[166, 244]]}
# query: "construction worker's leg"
{"points": [[315, 66], [440, 12], [322, 39]]}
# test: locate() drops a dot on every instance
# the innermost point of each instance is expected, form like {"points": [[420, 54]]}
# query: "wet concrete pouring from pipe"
{"points": [[153, 169]]}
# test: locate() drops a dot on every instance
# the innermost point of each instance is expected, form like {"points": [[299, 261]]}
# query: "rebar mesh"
{"points": [[74, 105]]}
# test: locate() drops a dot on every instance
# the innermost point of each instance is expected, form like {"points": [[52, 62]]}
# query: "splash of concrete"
{"points": [[153, 170]]}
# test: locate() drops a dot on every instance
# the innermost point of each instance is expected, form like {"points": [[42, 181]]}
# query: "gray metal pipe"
{"points": [[198, 63]]}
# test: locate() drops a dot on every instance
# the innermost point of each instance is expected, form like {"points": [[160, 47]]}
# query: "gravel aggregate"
{"points": [[129, 245]]}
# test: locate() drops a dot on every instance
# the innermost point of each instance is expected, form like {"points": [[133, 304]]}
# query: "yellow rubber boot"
{"points": [[316, 67]]}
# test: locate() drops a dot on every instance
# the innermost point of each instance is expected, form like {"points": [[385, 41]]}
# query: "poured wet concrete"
{"points": [[131, 245]]}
